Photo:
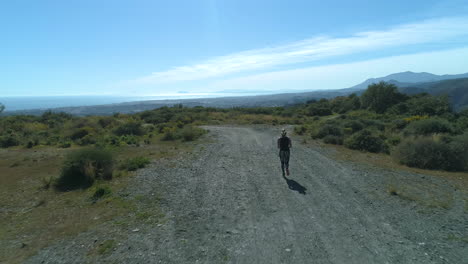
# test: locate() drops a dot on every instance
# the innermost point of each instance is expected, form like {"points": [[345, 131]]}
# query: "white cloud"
{"points": [[314, 49], [348, 74]]}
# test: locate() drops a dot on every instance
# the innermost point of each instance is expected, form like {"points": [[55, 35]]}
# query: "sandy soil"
{"points": [[228, 203]]}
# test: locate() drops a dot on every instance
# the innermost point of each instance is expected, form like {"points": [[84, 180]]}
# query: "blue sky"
{"points": [[89, 47]]}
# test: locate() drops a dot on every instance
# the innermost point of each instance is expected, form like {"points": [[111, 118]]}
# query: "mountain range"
{"points": [[454, 86], [409, 78]]}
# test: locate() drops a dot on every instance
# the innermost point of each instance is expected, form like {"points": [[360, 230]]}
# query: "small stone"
{"points": [[135, 230], [288, 250]]}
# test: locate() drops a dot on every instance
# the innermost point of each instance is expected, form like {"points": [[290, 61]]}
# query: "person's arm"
{"points": [[290, 143], [278, 143]]}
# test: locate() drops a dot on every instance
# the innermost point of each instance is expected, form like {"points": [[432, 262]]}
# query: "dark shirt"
{"points": [[284, 143]]}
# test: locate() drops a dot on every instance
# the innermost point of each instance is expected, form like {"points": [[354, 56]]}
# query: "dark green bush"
{"points": [[367, 141], [82, 167], [30, 144], [300, 130], [427, 153], [459, 146], [9, 141], [79, 133], [130, 128], [462, 123], [327, 129], [381, 96], [428, 126], [376, 124], [87, 140], [393, 140], [320, 108], [65, 144], [105, 122], [129, 140], [425, 104], [397, 125], [354, 125], [100, 193], [190, 133], [331, 139], [134, 164], [169, 134]]}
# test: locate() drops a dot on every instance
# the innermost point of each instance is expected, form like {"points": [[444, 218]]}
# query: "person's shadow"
{"points": [[295, 186]]}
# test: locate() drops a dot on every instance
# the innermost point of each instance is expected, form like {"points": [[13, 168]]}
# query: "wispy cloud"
{"points": [[325, 77], [315, 49]]}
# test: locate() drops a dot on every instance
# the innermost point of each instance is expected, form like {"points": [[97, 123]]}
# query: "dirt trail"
{"points": [[230, 204]]}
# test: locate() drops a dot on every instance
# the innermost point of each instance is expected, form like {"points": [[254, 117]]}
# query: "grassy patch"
{"points": [[422, 194], [101, 192], [38, 216], [134, 164]]}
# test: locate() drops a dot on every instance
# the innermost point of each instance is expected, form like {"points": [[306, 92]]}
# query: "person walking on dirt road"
{"points": [[284, 144]]}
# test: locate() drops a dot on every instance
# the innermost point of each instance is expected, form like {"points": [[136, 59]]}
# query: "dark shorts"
{"points": [[284, 156]]}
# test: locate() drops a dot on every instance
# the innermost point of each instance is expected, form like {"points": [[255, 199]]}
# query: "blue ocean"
{"points": [[46, 102]]}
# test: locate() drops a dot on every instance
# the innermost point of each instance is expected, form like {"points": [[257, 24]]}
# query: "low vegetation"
{"points": [[58, 151], [134, 164], [380, 120], [83, 167], [418, 131]]}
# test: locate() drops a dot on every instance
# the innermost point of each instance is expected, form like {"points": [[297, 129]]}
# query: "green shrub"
{"points": [[425, 104], [380, 96], [82, 167], [169, 134], [326, 130], [428, 126], [134, 164], [79, 133], [130, 128], [9, 141], [105, 122], [190, 133], [427, 153], [372, 123], [397, 125], [459, 146], [393, 140], [320, 108], [100, 193], [367, 141], [129, 139], [87, 140], [354, 125], [30, 144], [462, 122], [331, 139], [65, 144], [300, 130]]}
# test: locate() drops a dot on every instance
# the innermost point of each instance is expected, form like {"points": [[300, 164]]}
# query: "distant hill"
{"points": [[407, 78], [455, 86], [271, 100], [456, 90]]}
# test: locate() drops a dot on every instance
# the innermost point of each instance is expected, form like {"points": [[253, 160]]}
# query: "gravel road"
{"points": [[229, 203]]}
